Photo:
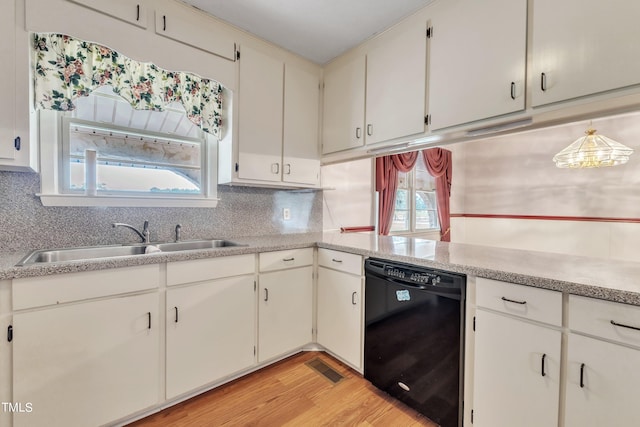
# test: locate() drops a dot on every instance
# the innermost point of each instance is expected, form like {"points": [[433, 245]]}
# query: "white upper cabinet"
{"points": [[343, 117], [7, 82], [477, 61], [278, 120], [396, 81], [17, 150], [580, 49], [261, 94], [300, 152], [392, 103], [133, 12], [190, 26]]}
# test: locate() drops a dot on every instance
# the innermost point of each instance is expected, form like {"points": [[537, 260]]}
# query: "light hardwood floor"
{"points": [[290, 393]]}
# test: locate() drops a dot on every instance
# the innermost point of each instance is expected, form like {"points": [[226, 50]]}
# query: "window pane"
{"points": [[403, 179], [426, 210], [401, 217], [424, 181], [133, 162]]}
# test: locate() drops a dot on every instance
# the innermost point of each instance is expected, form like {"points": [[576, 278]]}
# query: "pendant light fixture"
{"points": [[592, 151]]}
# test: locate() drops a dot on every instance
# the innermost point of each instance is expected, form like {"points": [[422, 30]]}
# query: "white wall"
{"points": [[348, 195], [515, 176]]}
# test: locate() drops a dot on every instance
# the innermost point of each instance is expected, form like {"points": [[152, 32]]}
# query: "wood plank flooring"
{"points": [[290, 393]]}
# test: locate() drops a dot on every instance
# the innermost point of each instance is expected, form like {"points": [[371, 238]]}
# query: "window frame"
{"points": [[411, 188]]}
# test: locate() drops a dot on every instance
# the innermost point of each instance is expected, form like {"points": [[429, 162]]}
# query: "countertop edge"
{"points": [[269, 244]]}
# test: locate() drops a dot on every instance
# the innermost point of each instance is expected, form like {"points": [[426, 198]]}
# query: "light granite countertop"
{"points": [[594, 277]]}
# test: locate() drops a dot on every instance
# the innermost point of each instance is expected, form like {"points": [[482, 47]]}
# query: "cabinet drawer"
{"points": [[531, 303], [212, 268], [61, 288], [593, 316], [292, 258], [342, 261]]}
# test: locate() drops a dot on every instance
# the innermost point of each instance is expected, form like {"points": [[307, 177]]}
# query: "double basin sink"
{"points": [[92, 252]]}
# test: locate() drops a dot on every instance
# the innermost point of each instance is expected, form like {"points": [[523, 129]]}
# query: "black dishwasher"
{"points": [[414, 337]]}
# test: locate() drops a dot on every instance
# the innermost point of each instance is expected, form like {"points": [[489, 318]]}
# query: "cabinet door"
{"points": [[8, 80], [340, 315], [210, 332], [284, 311], [396, 84], [260, 116], [477, 61], [509, 386], [610, 380], [133, 12], [185, 24], [343, 117], [583, 49], [86, 364], [301, 159]]}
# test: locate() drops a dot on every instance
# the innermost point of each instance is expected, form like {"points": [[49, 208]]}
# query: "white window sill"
{"points": [[125, 201]]}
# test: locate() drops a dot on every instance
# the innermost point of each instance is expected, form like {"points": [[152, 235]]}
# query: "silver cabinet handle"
{"points": [[275, 168], [543, 82], [513, 301], [358, 133], [336, 260], [513, 90], [287, 169], [266, 294], [353, 298], [614, 323], [369, 129]]}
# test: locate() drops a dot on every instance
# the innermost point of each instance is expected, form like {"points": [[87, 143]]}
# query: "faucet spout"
{"points": [[144, 234]]}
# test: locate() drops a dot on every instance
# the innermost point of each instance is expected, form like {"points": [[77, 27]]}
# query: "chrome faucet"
{"points": [[178, 230], [144, 234]]}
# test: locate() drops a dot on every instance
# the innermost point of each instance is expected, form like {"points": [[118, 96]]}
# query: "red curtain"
{"points": [[438, 163], [387, 168]]}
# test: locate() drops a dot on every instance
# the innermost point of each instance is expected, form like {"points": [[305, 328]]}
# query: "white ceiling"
{"points": [[318, 30]]}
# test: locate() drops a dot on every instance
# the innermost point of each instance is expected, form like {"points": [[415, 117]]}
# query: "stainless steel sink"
{"points": [[92, 252], [75, 254], [196, 244]]}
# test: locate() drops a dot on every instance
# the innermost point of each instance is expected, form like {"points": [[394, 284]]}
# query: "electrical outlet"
{"points": [[286, 214]]}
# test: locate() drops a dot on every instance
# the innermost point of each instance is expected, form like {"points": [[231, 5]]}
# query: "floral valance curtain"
{"points": [[66, 69]]}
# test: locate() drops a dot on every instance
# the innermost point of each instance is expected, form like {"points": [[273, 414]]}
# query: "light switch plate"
{"points": [[286, 214]]}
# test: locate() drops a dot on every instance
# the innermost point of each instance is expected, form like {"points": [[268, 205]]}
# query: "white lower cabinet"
{"points": [[602, 383], [285, 303], [88, 363], [517, 372], [602, 369], [516, 356], [339, 302], [210, 332]]}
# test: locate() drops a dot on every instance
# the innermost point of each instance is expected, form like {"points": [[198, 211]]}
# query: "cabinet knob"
{"points": [[353, 298], [369, 129], [287, 169], [358, 133], [275, 168]]}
